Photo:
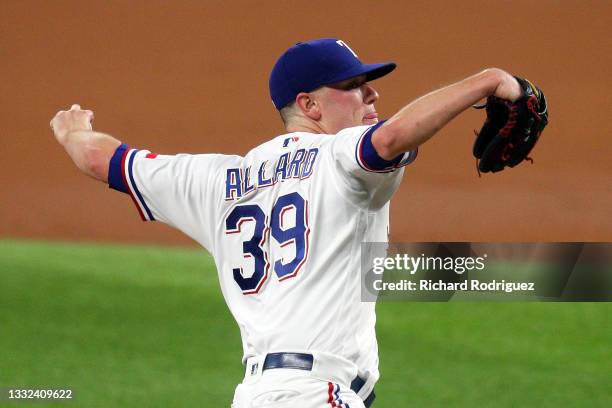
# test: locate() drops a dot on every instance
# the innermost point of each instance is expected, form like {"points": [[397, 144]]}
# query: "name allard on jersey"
{"points": [[292, 165]]}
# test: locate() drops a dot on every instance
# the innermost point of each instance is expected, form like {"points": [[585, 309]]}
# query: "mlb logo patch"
{"points": [[254, 368], [290, 139]]}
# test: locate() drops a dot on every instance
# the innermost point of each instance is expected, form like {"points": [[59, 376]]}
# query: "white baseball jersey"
{"points": [[285, 225]]}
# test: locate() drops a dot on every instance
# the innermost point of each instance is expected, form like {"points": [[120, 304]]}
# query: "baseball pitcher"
{"points": [[285, 222]]}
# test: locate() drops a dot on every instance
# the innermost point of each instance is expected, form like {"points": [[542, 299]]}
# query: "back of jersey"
{"points": [[294, 214]]}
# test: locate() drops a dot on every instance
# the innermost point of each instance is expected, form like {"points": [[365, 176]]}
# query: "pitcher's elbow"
{"points": [[96, 164], [392, 140]]}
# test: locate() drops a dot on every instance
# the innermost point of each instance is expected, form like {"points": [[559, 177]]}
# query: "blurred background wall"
{"points": [[191, 76]]}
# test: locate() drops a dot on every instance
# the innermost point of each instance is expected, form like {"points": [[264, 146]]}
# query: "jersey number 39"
{"points": [[257, 247]]}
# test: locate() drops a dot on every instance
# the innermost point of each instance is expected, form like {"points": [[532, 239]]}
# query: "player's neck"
{"points": [[303, 125]]}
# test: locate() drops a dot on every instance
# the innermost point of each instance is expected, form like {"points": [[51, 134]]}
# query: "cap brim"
{"points": [[375, 71], [371, 71]]}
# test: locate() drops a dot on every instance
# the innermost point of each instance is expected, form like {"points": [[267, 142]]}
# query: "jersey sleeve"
{"points": [[361, 172], [179, 190]]}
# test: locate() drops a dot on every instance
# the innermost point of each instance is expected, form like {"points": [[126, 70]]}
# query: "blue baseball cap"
{"points": [[309, 65]]}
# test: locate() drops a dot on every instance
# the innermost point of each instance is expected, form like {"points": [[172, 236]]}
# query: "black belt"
{"points": [[300, 361]]}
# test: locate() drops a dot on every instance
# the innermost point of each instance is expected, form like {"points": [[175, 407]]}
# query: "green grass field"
{"points": [[147, 326]]}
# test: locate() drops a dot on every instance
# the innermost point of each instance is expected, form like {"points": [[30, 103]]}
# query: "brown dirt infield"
{"points": [[191, 76]]}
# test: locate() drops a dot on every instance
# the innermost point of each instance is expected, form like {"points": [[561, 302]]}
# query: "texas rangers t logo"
{"points": [[343, 44]]}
